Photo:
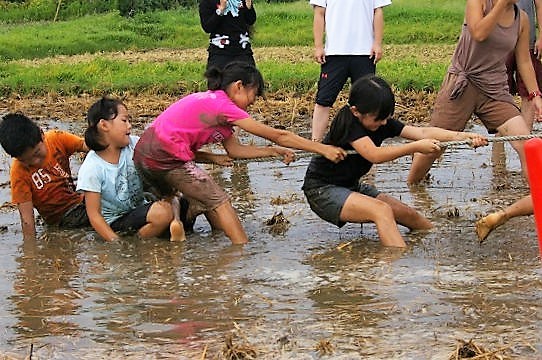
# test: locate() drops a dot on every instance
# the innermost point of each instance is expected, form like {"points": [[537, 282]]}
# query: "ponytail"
{"points": [[104, 109], [248, 74], [92, 139], [339, 128], [214, 78]]}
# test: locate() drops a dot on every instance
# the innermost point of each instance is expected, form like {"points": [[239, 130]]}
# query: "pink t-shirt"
{"points": [[195, 120]]}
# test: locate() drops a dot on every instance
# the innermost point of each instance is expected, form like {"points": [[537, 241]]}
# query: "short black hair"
{"points": [[19, 133]]}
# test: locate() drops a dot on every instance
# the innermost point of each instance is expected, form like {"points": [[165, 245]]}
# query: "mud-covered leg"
{"points": [[176, 228]]}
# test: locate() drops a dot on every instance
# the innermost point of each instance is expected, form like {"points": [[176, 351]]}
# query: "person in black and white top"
{"points": [[228, 23]]}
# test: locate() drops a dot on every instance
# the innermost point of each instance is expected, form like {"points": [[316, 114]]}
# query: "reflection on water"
{"points": [[74, 296]]}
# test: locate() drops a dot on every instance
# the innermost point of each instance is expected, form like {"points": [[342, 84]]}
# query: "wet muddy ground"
{"points": [[304, 290]]}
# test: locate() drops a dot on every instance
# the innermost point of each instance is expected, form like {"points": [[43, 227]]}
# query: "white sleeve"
{"points": [[89, 175], [381, 3], [321, 3]]}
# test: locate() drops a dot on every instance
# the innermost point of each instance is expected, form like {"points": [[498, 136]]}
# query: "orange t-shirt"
{"points": [[50, 186]]}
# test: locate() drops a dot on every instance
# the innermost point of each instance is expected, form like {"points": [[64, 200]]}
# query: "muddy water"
{"points": [[70, 295]]}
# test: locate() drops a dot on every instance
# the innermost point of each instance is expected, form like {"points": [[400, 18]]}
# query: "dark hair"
{"points": [[234, 71], [18, 133], [107, 109], [370, 95]]}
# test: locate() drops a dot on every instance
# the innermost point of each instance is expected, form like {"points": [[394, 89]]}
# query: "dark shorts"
{"points": [[75, 217], [515, 82], [133, 221], [327, 201], [220, 61], [453, 114], [335, 72]]}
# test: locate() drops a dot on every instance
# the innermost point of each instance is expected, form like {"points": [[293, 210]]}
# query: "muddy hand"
{"points": [[222, 160], [428, 146], [288, 158], [334, 153], [287, 154], [477, 140]]}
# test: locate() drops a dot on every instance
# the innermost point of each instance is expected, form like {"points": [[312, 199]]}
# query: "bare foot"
{"points": [[487, 224], [176, 229]]}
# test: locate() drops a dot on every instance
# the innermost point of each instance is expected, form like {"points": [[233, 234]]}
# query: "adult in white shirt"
{"points": [[353, 45]]}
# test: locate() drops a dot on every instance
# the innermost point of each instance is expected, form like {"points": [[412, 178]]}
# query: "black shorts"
{"points": [[336, 70], [220, 61], [133, 221], [76, 217]]}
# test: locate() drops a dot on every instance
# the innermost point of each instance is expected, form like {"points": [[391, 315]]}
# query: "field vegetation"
{"points": [[105, 52]]}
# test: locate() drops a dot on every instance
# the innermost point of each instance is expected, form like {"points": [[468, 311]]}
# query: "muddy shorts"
{"points": [[515, 82], [195, 184], [75, 217], [133, 221], [454, 114], [328, 200], [335, 72]]}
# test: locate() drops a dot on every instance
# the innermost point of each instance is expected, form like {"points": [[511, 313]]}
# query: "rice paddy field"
{"points": [[301, 288]]}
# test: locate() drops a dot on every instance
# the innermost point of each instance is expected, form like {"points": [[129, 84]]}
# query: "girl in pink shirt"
{"points": [[167, 152]]}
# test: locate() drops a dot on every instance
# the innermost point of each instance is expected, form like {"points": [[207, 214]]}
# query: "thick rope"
{"points": [[444, 144], [298, 155], [494, 139]]}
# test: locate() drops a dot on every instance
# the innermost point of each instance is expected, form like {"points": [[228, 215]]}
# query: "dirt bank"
{"points": [[280, 109]]}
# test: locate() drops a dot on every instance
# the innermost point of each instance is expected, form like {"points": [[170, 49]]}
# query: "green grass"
{"points": [[102, 76], [106, 32], [411, 75], [286, 24], [418, 22]]}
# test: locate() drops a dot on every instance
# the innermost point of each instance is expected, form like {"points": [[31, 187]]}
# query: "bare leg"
{"points": [[360, 208], [498, 158], [527, 112], [498, 155], [421, 163], [487, 224], [320, 119], [176, 228], [225, 218], [158, 219], [516, 126], [405, 215]]}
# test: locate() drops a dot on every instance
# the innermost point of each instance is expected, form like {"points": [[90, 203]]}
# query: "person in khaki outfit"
{"points": [[477, 83], [523, 206]]}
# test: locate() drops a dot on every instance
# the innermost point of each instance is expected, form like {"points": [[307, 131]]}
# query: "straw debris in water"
{"points": [[279, 200], [8, 206], [324, 347], [238, 351], [469, 350], [278, 223]]}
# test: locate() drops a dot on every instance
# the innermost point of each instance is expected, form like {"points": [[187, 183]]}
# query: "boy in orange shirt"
{"points": [[40, 173]]}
